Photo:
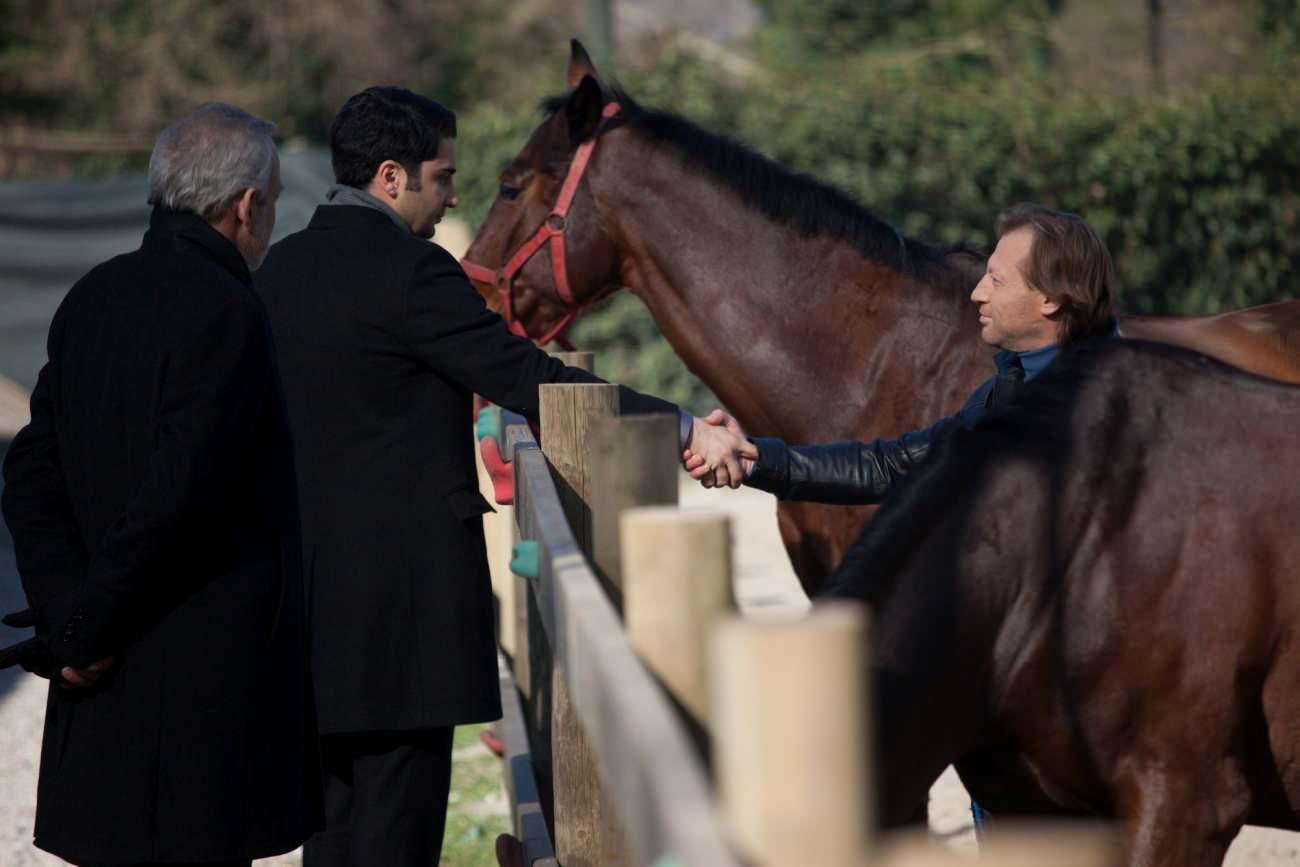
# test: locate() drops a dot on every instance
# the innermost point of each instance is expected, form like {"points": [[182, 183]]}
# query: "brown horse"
{"points": [[810, 319], [1101, 586]]}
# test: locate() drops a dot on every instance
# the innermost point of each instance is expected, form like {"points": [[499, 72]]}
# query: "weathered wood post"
{"points": [[634, 462], [519, 603], [676, 586], [582, 360], [791, 742], [586, 833]]}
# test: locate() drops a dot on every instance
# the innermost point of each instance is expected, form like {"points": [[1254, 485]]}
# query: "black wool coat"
{"points": [[151, 503], [382, 344]]}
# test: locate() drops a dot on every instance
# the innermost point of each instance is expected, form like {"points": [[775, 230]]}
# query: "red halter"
{"points": [[552, 230]]}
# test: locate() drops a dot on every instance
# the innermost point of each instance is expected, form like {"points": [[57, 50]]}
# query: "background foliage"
{"points": [[1194, 186], [1176, 134]]}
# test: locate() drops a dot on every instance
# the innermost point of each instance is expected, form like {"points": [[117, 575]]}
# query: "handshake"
{"points": [[719, 454]]}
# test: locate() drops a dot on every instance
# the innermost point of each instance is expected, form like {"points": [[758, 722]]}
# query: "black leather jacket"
{"points": [[855, 473]]}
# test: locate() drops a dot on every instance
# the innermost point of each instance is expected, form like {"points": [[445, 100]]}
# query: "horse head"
{"points": [[543, 252]]}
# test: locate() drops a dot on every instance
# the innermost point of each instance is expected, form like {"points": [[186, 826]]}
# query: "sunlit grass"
{"points": [[477, 810]]}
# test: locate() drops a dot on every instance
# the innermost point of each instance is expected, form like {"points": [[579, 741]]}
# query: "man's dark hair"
{"points": [[1069, 263], [387, 123]]}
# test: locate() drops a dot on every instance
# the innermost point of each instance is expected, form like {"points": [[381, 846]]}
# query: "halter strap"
{"points": [[551, 232]]}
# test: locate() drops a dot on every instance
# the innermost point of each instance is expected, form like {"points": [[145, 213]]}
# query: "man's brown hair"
{"points": [[1069, 263]]}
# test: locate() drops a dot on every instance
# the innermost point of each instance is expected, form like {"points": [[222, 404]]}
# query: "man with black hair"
{"points": [[382, 343]]}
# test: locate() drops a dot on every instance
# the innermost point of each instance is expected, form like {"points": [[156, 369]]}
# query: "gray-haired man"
{"points": [[153, 513]]}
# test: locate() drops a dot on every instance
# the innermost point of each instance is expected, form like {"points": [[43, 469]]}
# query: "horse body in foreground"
{"points": [[1102, 587], [808, 317]]}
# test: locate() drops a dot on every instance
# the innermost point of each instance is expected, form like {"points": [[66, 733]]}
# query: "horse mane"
{"points": [[795, 199], [1039, 428]]}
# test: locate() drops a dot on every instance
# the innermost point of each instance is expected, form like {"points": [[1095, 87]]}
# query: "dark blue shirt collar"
{"points": [[1034, 361]]}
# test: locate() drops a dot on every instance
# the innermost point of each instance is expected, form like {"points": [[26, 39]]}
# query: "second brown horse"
{"points": [[1090, 605]]}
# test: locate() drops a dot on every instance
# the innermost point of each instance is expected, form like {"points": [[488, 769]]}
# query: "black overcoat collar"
{"points": [[182, 231], [350, 217]]}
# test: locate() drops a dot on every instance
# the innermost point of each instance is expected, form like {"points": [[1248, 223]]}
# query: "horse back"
{"points": [[1264, 340]]}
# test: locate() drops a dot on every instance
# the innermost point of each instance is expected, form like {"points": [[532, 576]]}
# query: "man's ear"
{"points": [[580, 64], [244, 205], [583, 110], [1049, 307], [389, 179]]}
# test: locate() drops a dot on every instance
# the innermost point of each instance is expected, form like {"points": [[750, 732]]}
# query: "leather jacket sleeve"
{"points": [[848, 473], [853, 473]]}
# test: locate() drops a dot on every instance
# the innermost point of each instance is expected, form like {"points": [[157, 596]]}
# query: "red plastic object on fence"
{"points": [[501, 473]]}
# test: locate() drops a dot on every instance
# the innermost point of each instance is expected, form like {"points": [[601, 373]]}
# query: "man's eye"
{"points": [[509, 193]]}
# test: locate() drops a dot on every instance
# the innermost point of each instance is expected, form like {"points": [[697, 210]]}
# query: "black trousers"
{"points": [[385, 799]]}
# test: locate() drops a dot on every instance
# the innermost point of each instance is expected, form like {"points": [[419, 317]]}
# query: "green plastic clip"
{"points": [[523, 561], [489, 425], [669, 861]]}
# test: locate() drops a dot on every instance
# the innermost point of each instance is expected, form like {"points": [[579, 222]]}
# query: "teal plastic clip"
{"points": [[523, 561], [489, 425]]}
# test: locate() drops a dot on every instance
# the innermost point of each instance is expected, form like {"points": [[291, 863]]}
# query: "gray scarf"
{"points": [[342, 194]]}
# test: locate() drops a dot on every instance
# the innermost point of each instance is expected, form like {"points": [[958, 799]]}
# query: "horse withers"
{"points": [[1101, 585], [809, 317]]}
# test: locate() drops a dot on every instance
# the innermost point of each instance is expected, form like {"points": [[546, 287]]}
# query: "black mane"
{"points": [[795, 199]]}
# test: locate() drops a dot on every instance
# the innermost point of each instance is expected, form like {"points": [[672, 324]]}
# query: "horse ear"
{"points": [[579, 64], [583, 109]]}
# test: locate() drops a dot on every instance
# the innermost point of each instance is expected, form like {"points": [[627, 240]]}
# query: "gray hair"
{"points": [[208, 157]]}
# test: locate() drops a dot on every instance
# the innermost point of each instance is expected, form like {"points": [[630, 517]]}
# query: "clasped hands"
{"points": [[34, 656], [719, 454]]}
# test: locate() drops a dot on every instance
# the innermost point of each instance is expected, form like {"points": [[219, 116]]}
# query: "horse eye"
{"points": [[509, 193]]}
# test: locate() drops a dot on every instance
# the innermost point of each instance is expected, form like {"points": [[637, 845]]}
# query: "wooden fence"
{"points": [[646, 722]]}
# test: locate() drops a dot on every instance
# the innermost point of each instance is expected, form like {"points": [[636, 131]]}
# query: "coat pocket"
{"points": [[468, 503]]}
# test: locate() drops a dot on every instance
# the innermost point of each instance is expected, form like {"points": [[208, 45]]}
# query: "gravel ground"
{"points": [[765, 583]]}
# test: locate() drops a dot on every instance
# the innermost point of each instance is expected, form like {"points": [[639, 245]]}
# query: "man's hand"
{"points": [[34, 655], [75, 678], [719, 453]]}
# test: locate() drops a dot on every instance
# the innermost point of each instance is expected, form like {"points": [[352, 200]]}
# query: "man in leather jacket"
{"points": [[1048, 283]]}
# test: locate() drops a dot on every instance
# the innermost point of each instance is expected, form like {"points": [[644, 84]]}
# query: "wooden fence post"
{"points": [[586, 832], [584, 360], [676, 585], [790, 736], [634, 462], [568, 415], [522, 644]]}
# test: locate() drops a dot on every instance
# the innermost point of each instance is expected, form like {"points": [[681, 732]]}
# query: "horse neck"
{"points": [[800, 337]]}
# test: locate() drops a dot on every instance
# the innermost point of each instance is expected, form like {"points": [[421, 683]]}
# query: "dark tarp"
{"points": [[53, 232]]}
